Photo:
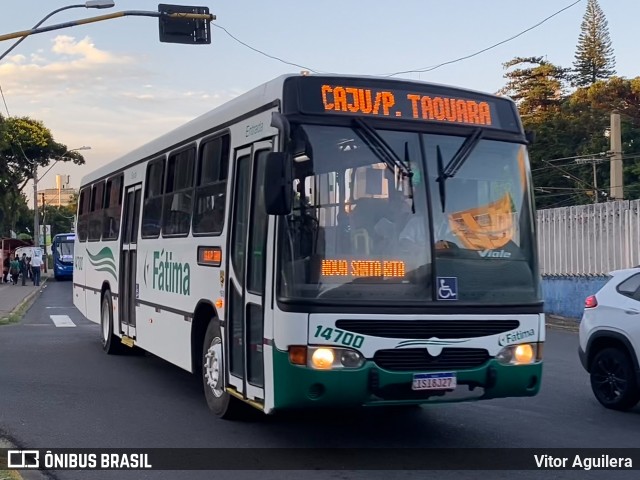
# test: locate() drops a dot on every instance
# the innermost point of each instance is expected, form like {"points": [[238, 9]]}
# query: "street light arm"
{"points": [[20, 40], [61, 157], [50, 167], [99, 18]]}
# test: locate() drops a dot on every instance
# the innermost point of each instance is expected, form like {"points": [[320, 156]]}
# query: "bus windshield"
{"points": [[362, 231], [64, 251]]}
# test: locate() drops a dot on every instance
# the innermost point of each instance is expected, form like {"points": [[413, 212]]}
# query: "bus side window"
{"points": [[152, 213], [211, 189], [83, 210], [95, 215], [176, 215], [112, 208]]}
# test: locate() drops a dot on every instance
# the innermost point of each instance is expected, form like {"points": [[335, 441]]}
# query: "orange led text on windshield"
{"points": [[362, 268], [365, 101]]}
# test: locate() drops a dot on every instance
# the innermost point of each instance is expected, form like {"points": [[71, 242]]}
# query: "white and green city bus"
{"points": [[324, 241]]}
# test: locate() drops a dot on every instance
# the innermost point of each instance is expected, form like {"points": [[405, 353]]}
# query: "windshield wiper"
{"points": [[456, 162], [384, 152]]}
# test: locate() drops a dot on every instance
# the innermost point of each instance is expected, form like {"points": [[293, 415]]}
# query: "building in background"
{"points": [[62, 195]]}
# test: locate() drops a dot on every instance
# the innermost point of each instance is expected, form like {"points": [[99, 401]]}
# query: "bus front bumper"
{"points": [[370, 385]]}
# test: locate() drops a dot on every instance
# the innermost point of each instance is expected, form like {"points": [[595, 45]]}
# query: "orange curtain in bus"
{"points": [[487, 227]]}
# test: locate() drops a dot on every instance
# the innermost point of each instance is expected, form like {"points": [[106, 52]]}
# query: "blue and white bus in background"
{"points": [[62, 252]]}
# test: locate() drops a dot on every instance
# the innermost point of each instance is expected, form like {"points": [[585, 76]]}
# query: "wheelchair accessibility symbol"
{"points": [[447, 288]]}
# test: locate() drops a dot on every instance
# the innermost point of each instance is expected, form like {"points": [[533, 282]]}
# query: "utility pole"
{"points": [[36, 215], [617, 182], [44, 234], [595, 186], [593, 162]]}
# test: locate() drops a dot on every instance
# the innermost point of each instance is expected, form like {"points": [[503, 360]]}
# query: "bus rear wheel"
{"points": [[219, 401]]}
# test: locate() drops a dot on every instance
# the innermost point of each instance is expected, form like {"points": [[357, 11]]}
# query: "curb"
{"points": [[22, 474], [26, 301], [562, 323]]}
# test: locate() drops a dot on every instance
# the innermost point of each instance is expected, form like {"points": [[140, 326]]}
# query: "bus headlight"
{"points": [[325, 358], [351, 359], [521, 354], [322, 358]]}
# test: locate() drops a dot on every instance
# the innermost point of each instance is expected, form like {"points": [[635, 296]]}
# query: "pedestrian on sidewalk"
{"points": [[5, 268], [36, 263], [29, 269], [14, 269], [23, 269]]}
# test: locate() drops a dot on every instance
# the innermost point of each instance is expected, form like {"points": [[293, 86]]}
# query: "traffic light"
{"points": [[174, 29]]}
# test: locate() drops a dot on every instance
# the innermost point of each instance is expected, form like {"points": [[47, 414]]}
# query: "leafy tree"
{"points": [[594, 59], [580, 127], [537, 86], [60, 219], [25, 143], [14, 214], [73, 204]]}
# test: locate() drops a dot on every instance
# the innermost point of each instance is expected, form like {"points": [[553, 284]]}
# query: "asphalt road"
{"points": [[59, 390]]}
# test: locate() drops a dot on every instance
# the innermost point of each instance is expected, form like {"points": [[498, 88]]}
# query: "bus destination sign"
{"points": [[406, 104], [403, 101]]}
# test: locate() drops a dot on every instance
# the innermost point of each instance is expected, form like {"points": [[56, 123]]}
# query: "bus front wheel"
{"points": [[219, 401], [110, 343]]}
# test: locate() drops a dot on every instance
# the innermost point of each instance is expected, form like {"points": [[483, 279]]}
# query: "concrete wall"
{"points": [[589, 239], [565, 295]]}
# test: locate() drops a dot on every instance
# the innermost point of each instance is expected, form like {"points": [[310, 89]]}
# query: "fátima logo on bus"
{"points": [[169, 275], [512, 337], [103, 261]]}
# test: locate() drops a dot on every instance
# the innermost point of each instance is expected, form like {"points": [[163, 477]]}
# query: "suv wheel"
{"points": [[613, 379]]}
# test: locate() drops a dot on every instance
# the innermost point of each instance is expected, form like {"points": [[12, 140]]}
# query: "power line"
{"points": [[628, 156], [575, 192], [548, 167], [564, 202], [261, 52], [5, 101], [428, 69], [576, 157]]}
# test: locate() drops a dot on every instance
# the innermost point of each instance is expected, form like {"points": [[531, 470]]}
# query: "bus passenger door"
{"points": [[127, 287], [247, 263]]}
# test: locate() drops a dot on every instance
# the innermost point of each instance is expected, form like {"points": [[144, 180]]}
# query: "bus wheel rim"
{"points": [[213, 366], [105, 322]]}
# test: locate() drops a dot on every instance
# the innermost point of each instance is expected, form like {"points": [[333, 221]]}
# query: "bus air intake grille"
{"points": [[425, 329], [419, 359]]}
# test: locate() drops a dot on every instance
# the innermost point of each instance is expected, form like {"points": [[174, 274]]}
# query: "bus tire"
{"points": [[110, 343], [219, 401]]}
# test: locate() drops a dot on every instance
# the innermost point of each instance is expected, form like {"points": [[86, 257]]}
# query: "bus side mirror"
{"points": [[530, 135], [278, 184]]}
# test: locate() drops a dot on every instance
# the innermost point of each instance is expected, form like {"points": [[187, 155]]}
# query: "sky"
{"points": [[113, 86]]}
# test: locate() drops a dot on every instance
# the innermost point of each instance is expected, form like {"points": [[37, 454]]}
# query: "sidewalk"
{"points": [[14, 296], [562, 323]]}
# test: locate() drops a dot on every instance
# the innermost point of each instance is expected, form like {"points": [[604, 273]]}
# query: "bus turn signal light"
{"points": [[298, 354], [210, 256]]}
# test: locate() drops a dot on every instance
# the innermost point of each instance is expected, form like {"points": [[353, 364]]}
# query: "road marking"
{"points": [[62, 321]]}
